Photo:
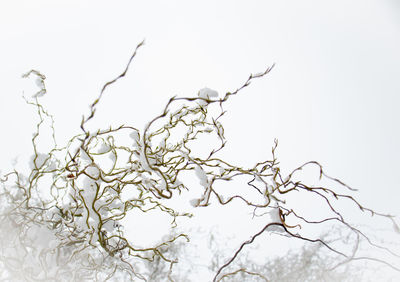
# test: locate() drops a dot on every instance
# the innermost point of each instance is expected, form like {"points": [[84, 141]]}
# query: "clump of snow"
{"points": [[134, 135], [112, 157], [108, 226], [163, 185], [38, 160], [143, 161], [206, 93], [17, 193], [104, 148], [194, 202], [275, 218], [162, 144], [85, 156], [178, 182], [274, 214], [39, 82], [93, 171], [200, 173]]}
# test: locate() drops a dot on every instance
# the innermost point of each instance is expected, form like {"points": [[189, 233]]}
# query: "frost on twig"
{"points": [[68, 210]]}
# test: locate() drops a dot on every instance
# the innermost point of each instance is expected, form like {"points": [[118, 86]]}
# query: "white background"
{"points": [[333, 95]]}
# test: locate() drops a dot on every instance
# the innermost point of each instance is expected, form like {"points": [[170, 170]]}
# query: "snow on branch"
{"points": [[68, 210]]}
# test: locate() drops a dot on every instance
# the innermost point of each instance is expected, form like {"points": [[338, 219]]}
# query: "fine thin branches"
{"points": [[78, 195]]}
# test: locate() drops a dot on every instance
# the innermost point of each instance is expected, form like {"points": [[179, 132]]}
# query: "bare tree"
{"points": [[67, 210]]}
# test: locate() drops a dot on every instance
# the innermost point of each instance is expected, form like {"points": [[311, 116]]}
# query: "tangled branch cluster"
{"points": [[76, 196]]}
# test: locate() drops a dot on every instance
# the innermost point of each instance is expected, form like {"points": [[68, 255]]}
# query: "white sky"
{"points": [[333, 95]]}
